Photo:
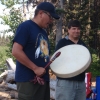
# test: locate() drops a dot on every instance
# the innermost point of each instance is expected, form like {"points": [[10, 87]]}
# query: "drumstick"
{"points": [[56, 55], [40, 80]]}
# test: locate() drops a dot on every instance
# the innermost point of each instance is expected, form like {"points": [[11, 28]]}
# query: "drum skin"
{"points": [[73, 60]]}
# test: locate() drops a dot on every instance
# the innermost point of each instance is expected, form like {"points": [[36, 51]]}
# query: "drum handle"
{"points": [[40, 80], [56, 55]]}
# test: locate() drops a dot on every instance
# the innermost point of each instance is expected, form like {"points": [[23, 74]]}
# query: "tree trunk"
{"points": [[23, 7], [59, 24]]}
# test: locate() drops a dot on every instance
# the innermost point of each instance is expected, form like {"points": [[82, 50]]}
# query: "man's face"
{"points": [[74, 32], [46, 19]]}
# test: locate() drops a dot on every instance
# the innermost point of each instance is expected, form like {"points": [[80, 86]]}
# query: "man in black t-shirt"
{"points": [[31, 49], [71, 88]]}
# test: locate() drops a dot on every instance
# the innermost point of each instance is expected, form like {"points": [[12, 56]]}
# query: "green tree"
{"points": [[13, 19], [87, 11]]}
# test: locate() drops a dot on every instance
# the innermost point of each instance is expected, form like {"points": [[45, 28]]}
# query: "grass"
{"points": [[3, 53], [3, 58]]}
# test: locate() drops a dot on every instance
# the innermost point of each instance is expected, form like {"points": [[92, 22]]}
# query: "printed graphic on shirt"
{"points": [[42, 48]]}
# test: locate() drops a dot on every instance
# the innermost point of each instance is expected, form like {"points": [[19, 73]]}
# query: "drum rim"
{"points": [[68, 75]]}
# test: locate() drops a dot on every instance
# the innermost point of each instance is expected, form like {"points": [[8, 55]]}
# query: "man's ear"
{"points": [[40, 13], [68, 30]]}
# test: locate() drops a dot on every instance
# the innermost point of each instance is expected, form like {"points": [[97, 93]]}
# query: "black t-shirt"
{"points": [[35, 44], [64, 42]]}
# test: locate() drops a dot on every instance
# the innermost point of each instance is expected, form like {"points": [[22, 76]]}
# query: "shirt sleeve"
{"points": [[22, 34]]}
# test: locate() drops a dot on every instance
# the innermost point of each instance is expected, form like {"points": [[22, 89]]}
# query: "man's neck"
{"points": [[75, 40], [36, 21]]}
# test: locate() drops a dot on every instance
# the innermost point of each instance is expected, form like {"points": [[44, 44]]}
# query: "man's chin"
{"points": [[76, 37], [46, 27]]}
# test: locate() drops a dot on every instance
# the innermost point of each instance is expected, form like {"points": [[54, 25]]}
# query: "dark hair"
{"points": [[36, 12], [74, 23]]}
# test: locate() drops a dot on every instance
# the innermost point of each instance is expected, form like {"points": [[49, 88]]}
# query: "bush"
{"points": [[3, 58]]}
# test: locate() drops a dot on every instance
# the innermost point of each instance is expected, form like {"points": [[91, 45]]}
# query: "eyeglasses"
{"points": [[48, 15]]}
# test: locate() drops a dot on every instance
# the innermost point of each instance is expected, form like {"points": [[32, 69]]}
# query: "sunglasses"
{"points": [[48, 15]]}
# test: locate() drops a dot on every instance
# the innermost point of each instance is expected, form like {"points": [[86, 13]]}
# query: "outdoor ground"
{"points": [[6, 93]]}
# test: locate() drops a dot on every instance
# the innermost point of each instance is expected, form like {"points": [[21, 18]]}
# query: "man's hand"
{"points": [[39, 71]]}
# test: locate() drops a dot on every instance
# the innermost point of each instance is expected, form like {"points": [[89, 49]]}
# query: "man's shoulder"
{"points": [[82, 42], [27, 22], [62, 40], [24, 24]]}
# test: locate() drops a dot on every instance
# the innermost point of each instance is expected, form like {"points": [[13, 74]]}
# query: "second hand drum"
{"points": [[74, 59]]}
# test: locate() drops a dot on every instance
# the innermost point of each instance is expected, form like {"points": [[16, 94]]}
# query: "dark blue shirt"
{"points": [[35, 45]]}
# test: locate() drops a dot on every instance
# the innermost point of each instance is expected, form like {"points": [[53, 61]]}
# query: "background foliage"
{"points": [[86, 11]]}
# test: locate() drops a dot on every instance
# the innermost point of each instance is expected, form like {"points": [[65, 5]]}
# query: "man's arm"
{"points": [[18, 53]]}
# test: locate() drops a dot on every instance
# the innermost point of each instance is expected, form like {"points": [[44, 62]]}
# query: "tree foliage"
{"points": [[13, 19], [86, 11]]}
